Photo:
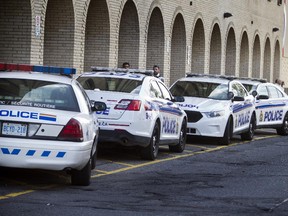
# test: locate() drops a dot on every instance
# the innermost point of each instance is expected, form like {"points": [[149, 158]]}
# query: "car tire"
{"points": [[94, 155], [283, 130], [250, 133], [226, 139], [151, 151], [82, 177], [180, 146]]}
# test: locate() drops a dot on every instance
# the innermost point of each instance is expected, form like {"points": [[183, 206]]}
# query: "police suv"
{"points": [[216, 106], [271, 104], [47, 121], [140, 110]]}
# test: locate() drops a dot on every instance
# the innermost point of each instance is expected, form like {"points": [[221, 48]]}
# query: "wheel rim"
{"points": [[286, 124], [154, 144]]}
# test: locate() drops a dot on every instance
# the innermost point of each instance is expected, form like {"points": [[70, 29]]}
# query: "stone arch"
{"points": [[215, 50], [230, 60], [155, 40], [59, 33], [244, 55], [267, 60], [16, 23], [256, 57], [276, 61], [198, 47], [129, 34], [178, 49], [97, 35]]}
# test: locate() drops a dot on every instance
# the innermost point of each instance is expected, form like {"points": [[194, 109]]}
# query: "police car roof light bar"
{"points": [[37, 68], [211, 76], [122, 70]]}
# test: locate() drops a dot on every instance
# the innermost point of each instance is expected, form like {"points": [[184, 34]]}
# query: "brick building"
{"points": [[232, 37]]}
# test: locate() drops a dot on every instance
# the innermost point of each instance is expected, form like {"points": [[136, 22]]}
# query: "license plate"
{"points": [[13, 129]]}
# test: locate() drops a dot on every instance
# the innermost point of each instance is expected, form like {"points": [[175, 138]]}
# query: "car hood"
{"points": [[203, 104]]}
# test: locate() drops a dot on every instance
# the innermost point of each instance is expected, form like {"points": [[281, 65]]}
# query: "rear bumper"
{"points": [[122, 137]]}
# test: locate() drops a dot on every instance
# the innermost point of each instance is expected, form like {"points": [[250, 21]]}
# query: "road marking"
{"points": [[130, 167], [11, 195]]}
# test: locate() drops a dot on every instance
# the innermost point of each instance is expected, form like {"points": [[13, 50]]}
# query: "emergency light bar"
{"points": [[37, 68], [253, 79], [211, 75], [123, 70]]}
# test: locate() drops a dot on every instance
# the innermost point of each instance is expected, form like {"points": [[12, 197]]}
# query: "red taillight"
{"points": [[72, 131], [132, 105]]}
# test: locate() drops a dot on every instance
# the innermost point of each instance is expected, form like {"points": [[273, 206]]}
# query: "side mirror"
{"points": [[178, 99], [237, 98], [98, 106], [254, 93], [230, 95], [263, 97]]}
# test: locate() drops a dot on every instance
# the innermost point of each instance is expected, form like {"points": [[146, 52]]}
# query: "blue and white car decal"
{"points": [[31, 152], [27, 115]]}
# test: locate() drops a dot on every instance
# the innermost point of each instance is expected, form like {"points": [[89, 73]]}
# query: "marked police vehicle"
{"points": [[140, 110], [216, 106], [47, 121], [271, 104]]}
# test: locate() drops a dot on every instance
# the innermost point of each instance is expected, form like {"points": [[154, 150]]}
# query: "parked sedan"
{"points": [[216, 106], [271, 105], [47, 122], [140, 110]]}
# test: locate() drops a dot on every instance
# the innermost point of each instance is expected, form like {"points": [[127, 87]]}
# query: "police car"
{"points": [[47, 121], [216, 106], [140, 110], [271, 104]]}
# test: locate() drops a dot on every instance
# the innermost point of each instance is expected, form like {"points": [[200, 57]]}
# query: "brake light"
{"points": [[72, 131], [125, 104]]}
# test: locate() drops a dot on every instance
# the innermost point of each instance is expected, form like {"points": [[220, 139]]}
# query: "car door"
{"points": [[270, 111], [169, 112], [242, 107]]}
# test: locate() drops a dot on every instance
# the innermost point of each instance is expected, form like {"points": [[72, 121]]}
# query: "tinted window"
{"points": [[35, 93], [110, 84]]}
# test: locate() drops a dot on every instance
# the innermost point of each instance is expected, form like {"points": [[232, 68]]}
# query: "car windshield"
{"points": [[116, 84], [200, 89], [37, 93]]}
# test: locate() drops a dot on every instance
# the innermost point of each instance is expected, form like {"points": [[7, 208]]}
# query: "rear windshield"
{"points": [[116, 84], [200, 89], [35, 93]]}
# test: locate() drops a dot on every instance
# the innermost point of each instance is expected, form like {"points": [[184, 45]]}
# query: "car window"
{"points": [[37, 93], [110, 84], [262, 90], [274, 92], [87, 100], [238, 90], [155, 91], [165, 91]]}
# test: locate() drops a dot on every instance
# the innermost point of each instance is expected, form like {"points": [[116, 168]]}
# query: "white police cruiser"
{"points": [[47, 121], [216, 106], [141, 111], [271, 104]]}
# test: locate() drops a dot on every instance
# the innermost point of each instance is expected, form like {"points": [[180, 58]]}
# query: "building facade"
{"points": [[230, 37]]}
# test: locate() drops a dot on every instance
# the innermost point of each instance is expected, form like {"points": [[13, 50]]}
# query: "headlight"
{"points": [[213, 114]]}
